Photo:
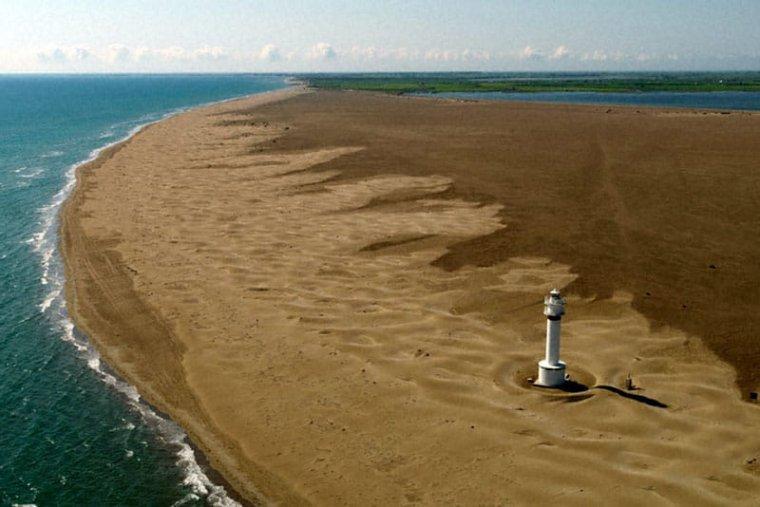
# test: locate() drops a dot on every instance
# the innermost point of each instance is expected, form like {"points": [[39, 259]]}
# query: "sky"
{"points": [[366, 35]]}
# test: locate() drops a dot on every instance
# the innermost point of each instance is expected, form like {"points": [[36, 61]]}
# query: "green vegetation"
{"points": [[515, 82]]}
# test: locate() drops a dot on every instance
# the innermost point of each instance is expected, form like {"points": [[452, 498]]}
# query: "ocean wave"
{"points": [[30, 173], [52, 154], [53, 304]]}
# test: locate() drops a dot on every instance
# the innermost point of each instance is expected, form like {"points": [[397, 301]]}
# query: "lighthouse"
{"points": [[551, 371]]}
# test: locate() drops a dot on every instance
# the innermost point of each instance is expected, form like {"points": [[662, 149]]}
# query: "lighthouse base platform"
{"points": [[550, 375]]}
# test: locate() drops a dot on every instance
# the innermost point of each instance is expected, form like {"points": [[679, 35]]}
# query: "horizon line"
{"points": [[290, 73]]}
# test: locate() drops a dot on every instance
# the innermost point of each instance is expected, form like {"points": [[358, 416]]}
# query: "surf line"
{"points": [[44, 243]]}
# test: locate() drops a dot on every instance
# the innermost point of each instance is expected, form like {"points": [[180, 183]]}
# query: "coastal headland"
{"points": [[338, 295]]}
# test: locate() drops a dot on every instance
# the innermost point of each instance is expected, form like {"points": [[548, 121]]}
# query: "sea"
{"points": [[71, 432]]}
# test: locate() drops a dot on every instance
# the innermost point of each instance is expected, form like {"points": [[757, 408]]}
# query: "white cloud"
{"points": [[467, 55], [55, 55], [529, 53], [82, 54], [618, 56], [206, 53], [322, 51], [560, 53], [122, 54], [142, 54], [321, 56], [369, 53], [476, 56], [604, 56], [63, 55], [117, 53], [405, 54], [377, 54], [597, 56], [270, 53], [441, 55], [172, 53], [145, 55]]}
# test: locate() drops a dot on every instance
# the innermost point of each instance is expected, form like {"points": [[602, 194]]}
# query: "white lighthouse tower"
{"points": [[551, 371]]}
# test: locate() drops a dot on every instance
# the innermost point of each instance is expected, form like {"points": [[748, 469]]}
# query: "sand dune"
{"points": [[293, 319]]}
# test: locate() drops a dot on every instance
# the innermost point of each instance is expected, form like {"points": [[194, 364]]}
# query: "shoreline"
{"points": [[215, 477], [99, 157], [190, 412], [110, 365]]}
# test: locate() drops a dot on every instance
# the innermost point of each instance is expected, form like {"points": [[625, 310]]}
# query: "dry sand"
{"points": [[338, 295]]}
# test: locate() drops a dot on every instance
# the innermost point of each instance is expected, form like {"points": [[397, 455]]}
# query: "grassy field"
{"points": [[473, 82]]}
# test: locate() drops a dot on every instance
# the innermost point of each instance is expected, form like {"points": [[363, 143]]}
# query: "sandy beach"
{"points": [[339, 296]]}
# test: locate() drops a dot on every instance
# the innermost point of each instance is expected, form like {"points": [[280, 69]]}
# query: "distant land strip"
{"points": [[517, 83]]}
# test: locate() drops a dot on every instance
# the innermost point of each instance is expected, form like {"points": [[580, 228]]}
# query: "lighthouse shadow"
{"points": [[578, 391], [631, 396], [581, 386], [573, 386]]}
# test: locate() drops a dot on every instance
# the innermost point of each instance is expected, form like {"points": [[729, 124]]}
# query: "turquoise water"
{"points": [[700, 100], [70, 432]]}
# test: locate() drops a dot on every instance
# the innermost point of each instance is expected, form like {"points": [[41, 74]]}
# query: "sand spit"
{"points": [[291, 315]]}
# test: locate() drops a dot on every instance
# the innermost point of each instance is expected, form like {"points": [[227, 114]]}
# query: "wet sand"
{"points": [[338, 296]]}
